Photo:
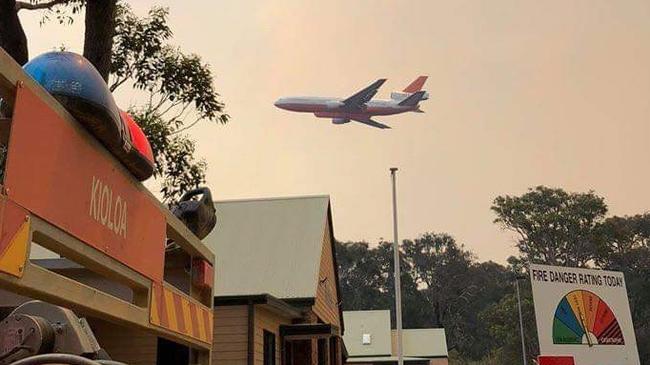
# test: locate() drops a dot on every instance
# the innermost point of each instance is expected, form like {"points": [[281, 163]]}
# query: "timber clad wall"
{"points": [[326, 304], [124, 344], [314, 352], [230, 343], [267, 320]]}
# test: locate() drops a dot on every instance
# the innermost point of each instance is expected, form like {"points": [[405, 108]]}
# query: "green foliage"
{"points": [[179, 86], [493, 357], [624, 243], [570, 229], [553, 226], [503, 321], [440, 266], [453, 287], [62, 11], [174, 80], [625, 246], [444, 285], [493, 282], [362, 279], [414, 305], [174, 154], [136, 44]]}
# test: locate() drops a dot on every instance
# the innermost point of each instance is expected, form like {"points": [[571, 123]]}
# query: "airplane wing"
{"points": [[371, 123], [357, 100]]}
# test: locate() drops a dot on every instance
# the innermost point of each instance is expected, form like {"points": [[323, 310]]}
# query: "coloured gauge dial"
{"points": [[583, 318]]}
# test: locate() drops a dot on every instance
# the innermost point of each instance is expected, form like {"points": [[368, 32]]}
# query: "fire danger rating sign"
{"points": [[583, 315]]}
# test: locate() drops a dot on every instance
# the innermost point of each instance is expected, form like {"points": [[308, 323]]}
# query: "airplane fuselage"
{"points": [[360, 107], [324, 107]]}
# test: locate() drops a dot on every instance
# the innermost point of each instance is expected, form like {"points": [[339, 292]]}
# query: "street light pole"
{"points": [[521, 324], [398, 286]]}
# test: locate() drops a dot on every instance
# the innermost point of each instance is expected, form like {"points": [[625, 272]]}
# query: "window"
{"points": [[171, 353], [334, 359], [288, 353], [269, 348], [322, 351], [366, 339]]}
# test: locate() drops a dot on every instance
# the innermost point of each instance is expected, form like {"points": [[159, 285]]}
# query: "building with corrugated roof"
{"points": [[370, 340], [276, 283]]}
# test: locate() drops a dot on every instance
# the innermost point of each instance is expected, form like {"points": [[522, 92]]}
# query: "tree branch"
{"points": [[128, 74], [118, 83], [180, 116], [171, 105], [186, 127], [161, 102], [38, 6]]}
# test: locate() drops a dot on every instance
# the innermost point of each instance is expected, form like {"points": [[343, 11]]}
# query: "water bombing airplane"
{"points": [[360, 107]]}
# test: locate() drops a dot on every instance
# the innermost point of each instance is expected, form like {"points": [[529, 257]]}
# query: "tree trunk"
{"points": [[12, 35], [436, 313], [98, 38]]}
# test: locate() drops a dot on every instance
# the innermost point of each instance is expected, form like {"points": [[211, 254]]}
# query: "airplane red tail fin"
{"points": [[416, 85]]}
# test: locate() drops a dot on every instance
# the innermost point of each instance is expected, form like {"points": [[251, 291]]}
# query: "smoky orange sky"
{"points": [[522, 93]]}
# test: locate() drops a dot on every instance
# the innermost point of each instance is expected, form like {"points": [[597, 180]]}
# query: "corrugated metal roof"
{"points": [[269, 246], [376, 359], [424, 342], [374, 323], [417, 343]]}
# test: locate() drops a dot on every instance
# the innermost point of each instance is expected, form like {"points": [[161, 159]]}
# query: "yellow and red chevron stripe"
{"points": [[178, 313], [15, 238]]}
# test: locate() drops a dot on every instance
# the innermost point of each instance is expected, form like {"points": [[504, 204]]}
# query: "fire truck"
{"points": [[115, 291]]}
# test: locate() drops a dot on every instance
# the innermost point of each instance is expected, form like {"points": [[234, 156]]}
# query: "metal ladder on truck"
{"points": [[63, 191]]}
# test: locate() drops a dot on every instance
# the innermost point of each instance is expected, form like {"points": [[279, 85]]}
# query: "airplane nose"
{"points": [[278, 103]]}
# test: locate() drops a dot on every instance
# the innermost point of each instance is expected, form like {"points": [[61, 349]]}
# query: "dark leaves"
{"points": [[62, 11], [179, 86], [141, 54], [442, 285], [174, 154], [571, 229], [554, 226]]}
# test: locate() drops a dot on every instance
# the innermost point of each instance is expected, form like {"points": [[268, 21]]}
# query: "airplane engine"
{"points": [[396, 95], [340, 120]]}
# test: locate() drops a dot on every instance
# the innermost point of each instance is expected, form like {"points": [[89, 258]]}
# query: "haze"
{"points": [[523, 93]]}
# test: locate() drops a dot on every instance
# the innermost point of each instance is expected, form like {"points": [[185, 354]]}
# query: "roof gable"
{"points": [[269, 246], [374, 325], [417, 343]]}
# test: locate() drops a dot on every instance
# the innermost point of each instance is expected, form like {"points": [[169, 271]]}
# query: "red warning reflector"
{"points": [[555, 360], [203, 275]]}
